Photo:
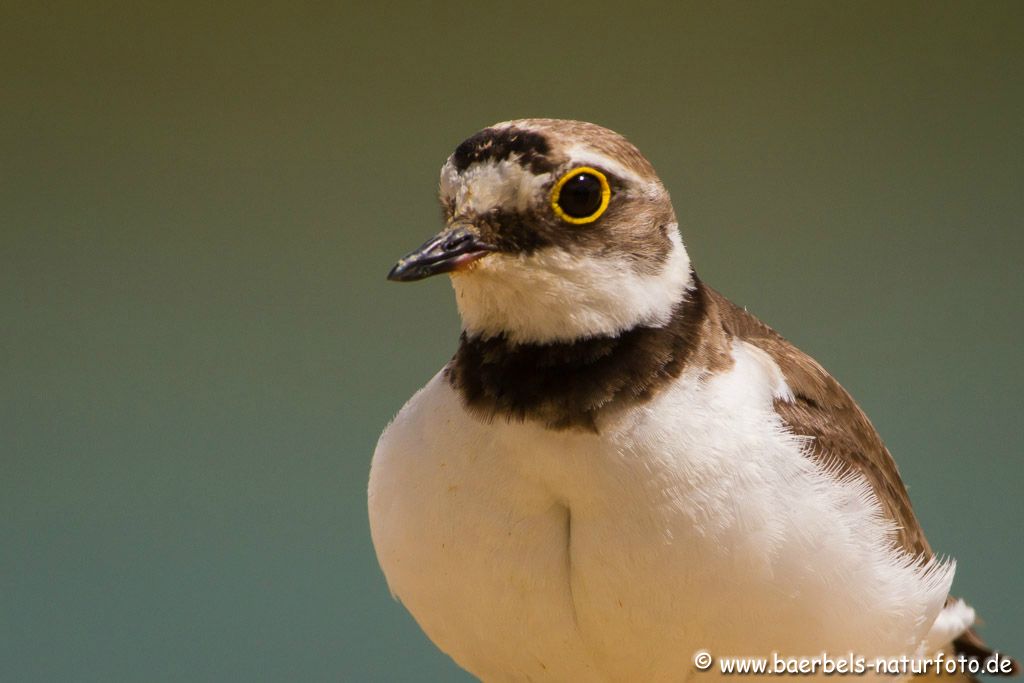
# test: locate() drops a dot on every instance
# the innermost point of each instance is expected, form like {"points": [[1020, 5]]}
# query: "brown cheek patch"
{"points": [[635, 230], [640, 232]]}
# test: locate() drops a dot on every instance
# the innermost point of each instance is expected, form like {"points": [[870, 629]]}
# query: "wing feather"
{"points": [[844, 440]]}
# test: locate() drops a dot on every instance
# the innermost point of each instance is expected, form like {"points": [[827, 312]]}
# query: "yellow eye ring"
{"points": [[556, 195]]}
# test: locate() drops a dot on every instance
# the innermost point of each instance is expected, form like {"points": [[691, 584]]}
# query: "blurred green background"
{"points": [[199, 203]]}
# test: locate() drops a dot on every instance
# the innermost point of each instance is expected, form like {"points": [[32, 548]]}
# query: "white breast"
{"points": [[695, 521]]}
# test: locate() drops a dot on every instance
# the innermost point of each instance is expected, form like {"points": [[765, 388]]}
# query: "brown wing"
{"points": [[843, 435]]}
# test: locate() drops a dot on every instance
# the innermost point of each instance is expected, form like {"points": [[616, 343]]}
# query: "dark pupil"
{"points": [[580, 196]]}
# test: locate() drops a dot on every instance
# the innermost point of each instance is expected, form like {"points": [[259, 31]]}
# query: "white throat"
{"points": [[552, 295]]}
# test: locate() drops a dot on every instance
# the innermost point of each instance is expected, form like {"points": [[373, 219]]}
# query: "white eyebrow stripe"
{"points": [[581, 156]]}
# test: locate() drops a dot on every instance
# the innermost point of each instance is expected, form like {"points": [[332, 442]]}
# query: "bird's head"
{"points": [[554, 231]]}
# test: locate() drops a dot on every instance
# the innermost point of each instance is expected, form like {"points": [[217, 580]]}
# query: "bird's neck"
{"points": [[570, 384]]}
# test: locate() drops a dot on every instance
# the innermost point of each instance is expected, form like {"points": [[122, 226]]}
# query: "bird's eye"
{"points": [[581, 195]]}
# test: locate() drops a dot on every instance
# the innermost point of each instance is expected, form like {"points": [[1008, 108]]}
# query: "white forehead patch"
{"points": [[491, 185]]}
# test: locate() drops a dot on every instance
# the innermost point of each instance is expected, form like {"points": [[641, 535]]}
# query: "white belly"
{"points": [[693, 522]]}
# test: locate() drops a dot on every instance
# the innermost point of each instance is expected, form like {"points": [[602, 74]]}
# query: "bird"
{"points": [[619, 468]]}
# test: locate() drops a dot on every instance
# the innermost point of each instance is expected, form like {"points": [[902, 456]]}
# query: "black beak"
{"points": [[444, 253]]}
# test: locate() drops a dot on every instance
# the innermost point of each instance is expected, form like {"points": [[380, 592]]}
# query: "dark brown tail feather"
{"points": [[973, 647]]}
